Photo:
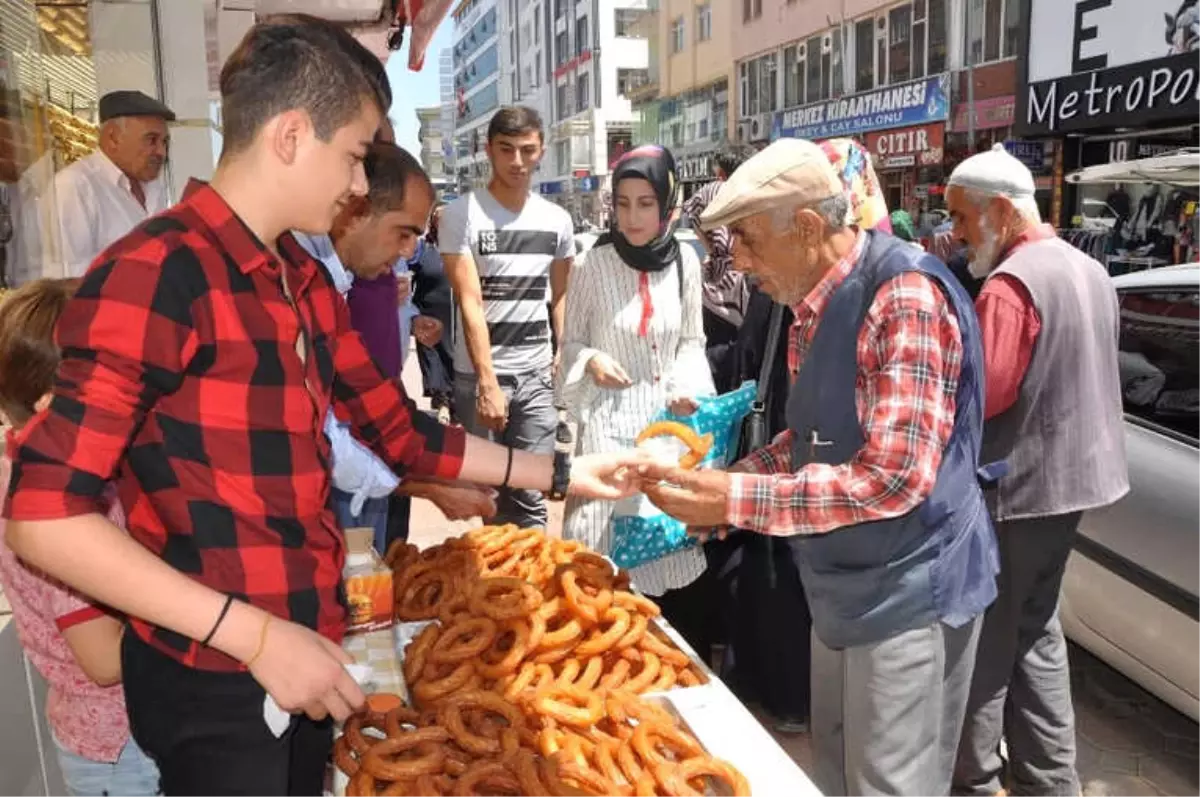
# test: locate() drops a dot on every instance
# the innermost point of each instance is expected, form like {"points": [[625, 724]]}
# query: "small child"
{"points": [[74, 643]]}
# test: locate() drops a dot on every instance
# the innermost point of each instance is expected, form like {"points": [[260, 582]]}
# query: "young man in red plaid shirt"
{"points": [[874, 483], [199, 359]]}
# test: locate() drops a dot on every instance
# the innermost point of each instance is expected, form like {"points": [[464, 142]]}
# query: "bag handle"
{"points": [[768, 364]]}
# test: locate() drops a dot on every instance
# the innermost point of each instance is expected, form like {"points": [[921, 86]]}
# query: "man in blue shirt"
{"points": [[372, 235]]}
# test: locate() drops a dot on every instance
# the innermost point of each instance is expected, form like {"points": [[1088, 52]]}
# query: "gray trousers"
{"points": [[1022, 689], [886, 717], [532, 420]]}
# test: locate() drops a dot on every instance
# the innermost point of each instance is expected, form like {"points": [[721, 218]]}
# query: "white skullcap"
{"points": [[994, 173]]}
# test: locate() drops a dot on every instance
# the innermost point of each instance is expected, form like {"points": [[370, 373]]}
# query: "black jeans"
{"points": [[206, 731]]}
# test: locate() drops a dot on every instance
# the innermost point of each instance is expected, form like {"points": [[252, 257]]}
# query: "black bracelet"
{"points": [[220, 619], [507, 469]]}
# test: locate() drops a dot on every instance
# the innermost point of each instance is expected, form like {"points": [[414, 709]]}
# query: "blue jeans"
{"points": [[374, 515], [134, 773]]}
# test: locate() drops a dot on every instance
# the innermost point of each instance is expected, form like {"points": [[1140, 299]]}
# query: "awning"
{"points": [[1180, 169]]}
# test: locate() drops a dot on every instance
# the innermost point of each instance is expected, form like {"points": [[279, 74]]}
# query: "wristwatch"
{"points": [[561, 479]]}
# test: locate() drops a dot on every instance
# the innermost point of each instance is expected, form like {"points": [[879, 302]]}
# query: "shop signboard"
{"points": [[587, 184], [551, 188], [908, 146], [913, 103], [1121, 63], [989, 114], [1030, 153]]}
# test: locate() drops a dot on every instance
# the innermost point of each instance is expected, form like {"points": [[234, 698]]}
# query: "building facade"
{"points": [[593, 52], [477, 86], [530, 65], [922, 83], [448, 107], [433, 139], [684, 101]]}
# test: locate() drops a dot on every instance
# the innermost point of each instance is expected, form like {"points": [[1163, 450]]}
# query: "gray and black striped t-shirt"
{"points": [[512, 252]]}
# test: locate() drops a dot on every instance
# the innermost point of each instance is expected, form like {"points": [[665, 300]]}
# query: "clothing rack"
{"points": [[1094, 243]]}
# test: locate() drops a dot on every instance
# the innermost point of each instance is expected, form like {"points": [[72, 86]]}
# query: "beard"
{"points": [[983, 259]]}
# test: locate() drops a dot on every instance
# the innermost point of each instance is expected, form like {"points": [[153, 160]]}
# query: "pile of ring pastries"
{"points": [[559, 740], [518, 610]]}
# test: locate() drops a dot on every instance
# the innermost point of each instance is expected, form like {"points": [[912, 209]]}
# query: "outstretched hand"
{"points": [[607, 476], [695, 497]]}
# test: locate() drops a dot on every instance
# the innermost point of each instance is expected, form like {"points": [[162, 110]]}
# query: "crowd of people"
{"points": [[195, 420]]}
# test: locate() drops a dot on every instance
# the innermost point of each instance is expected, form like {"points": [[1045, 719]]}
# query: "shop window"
{"points": [[677, 35], [704, 22]]}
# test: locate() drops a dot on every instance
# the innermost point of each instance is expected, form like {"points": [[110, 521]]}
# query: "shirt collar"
{"points": [[239, 241], [813, 304], [321, 247], [111, 171]]}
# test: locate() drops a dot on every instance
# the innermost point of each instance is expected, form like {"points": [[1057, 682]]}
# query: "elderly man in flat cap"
{"points": [[1049, 319], [875, 482], [102, 197]]}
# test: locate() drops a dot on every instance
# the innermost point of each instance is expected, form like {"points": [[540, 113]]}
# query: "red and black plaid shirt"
{"points": [[181, 380]]}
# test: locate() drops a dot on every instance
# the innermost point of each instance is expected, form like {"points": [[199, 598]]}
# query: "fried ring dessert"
{"points": [[677, 778], [384, 762], [464, 640], [698, 446], [569, 705]]}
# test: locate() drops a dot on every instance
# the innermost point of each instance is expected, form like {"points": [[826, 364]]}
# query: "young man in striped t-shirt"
{"points": [[504, 249]]}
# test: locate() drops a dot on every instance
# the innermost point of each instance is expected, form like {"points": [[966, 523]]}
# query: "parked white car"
{"points": [[1131, 585]]}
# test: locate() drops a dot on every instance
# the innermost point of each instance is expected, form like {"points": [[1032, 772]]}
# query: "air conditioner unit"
{"points": [[826, 44], [744, 132], [760, 127], [343, 11]]}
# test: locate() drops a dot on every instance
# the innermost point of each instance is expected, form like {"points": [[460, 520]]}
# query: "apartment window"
{"points": [[512, 43], [562, 156], [759, 81], [560, 8], [626, 18], [537, 26], [629, 80], [911, 43], [702, 129], [993, 29], [704, 22], [864, 47], [751, 10], [793, 76], [539, 72], [677, 35], [562, 48], [583, 99], [563, 98], [582, 42]]}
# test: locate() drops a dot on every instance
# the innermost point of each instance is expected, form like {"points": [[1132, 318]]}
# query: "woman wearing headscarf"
{"points": [[634, 345], [757, 577]]}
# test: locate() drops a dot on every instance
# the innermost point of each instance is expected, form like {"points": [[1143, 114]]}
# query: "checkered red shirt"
{"points": [[181, 380], [909, 360]]}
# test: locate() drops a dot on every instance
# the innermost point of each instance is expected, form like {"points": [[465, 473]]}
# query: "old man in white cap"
{"points": [[874, 484], [1049, 319]]}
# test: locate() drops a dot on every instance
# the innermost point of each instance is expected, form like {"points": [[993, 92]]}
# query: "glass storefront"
{"points": [[56, 60]]}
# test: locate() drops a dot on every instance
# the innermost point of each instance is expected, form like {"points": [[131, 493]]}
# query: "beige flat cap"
{"points": [[791, 171]]}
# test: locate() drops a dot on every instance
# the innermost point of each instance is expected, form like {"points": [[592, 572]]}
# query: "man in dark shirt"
{"points": [[199, 359]]}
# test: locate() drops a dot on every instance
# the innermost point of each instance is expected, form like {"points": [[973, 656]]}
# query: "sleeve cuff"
{"points": [[749, 501]]}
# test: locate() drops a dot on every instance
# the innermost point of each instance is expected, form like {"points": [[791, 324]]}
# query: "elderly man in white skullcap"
{"points": [[1048, 316], [874, 483]]}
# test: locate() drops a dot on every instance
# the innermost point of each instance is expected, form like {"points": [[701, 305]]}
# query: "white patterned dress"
{"points": [[604, 314]]}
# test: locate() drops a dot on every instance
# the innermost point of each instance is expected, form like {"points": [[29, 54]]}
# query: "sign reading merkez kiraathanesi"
{"points": [[1097, 64], [916, 102]]}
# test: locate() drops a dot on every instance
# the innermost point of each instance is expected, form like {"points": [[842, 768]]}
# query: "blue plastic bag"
{"points": [[641, 531]]}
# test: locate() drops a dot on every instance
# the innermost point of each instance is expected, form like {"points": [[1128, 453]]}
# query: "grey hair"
{"points": [[834, 210]]}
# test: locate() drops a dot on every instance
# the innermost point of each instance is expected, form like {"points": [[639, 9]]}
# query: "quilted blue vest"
{"points": [[868, 582]]}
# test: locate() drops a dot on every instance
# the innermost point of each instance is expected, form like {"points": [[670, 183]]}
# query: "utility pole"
{"points": [[971, 81]]}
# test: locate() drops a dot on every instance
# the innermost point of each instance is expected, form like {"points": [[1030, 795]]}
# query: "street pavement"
{"points": [[1130, 742]]}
